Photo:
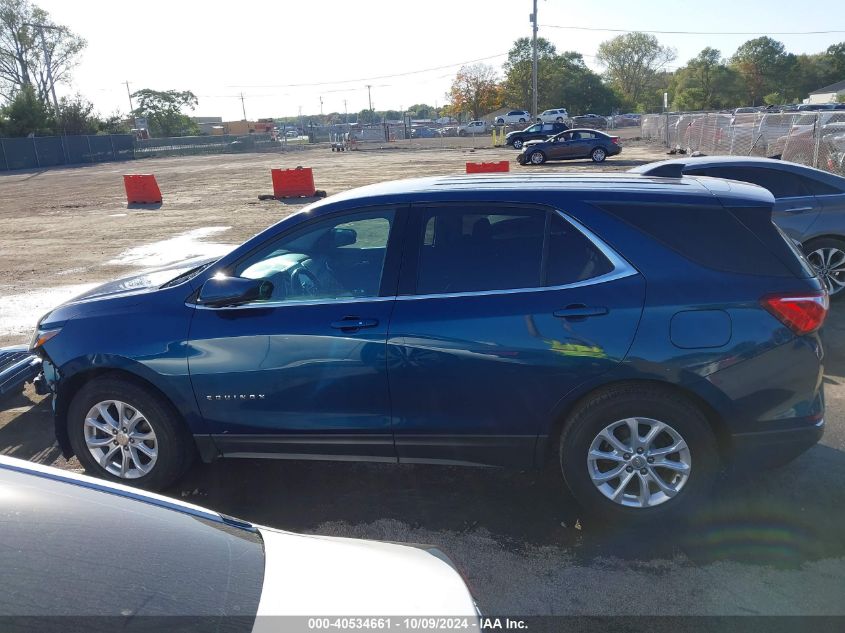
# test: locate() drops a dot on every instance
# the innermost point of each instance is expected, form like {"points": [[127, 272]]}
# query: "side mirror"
{"points": [[220, 291], [344, 237]]}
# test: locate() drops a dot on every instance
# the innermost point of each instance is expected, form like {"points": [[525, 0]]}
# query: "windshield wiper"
{"points": [[186, 275]]}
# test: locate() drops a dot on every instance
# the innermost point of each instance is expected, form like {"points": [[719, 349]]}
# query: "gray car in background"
{"points": [[809, 203]]}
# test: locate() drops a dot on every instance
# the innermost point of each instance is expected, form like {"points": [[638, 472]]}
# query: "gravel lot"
{"points": [[769, 544]]}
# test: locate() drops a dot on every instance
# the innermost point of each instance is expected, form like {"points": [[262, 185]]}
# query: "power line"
{"points": [[349, 81], [589, 28]]}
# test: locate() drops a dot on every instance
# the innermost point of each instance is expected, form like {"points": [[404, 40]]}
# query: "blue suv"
{"points": [[639, 332]]}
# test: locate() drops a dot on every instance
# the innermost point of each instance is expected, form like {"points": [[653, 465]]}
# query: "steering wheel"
{"points": [[303, 282]]}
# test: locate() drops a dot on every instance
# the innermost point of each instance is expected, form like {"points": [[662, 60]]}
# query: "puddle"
{"points": [[19, 313], [175, 249]]}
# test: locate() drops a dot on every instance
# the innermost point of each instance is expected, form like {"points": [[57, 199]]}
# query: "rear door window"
{"points": [[571, 256], [480, 249]]}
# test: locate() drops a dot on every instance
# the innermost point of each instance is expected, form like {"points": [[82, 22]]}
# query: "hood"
{"points": [[313, 575], [534, 142], [150, 279]]}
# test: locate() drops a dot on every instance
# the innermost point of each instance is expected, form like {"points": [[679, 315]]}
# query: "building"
{"points": [[206, 124], [828, 94]]}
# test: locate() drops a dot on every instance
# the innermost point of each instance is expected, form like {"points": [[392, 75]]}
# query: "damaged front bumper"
{"points": [[17, 367]]}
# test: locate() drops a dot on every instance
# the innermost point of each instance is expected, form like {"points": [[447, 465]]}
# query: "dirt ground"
{"points": [[770, 544]]}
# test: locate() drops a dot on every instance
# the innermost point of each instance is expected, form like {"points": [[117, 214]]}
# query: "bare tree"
{"points": [[34, 51]]}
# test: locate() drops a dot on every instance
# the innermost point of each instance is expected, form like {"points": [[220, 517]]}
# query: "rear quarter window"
{"points": [[708, 235]]}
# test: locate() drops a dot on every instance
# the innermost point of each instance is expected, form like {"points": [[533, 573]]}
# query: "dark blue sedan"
{"points": [[641, 332]]}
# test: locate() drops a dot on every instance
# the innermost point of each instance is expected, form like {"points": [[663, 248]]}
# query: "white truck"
{"points": [[473, 128]]}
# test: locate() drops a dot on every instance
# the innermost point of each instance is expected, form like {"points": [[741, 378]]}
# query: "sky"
{"points": [[267, 50]]}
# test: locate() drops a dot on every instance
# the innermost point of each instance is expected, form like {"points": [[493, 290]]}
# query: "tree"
{"points": [[163, 111], [422, 111], [115, 123], [34, 51], [77, 116], [763, 63], [27, 114], [475, 90], [517, 85], [632, 63], [705, 83]]}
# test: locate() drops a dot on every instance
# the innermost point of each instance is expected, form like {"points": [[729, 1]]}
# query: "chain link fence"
{"points": [[815, 139]]}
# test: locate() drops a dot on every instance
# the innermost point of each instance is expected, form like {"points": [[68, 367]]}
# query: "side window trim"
{"points": [[414, 238]]}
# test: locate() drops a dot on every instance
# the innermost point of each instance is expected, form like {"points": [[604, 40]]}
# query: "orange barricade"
{"points": [[293, 183], [141, 189], [487, 168]]}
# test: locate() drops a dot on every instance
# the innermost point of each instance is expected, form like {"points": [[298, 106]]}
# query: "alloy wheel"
{"points": [[829, 262], [517, 144], [639, 462], [537, 158], [121, 439], [599, 155]]}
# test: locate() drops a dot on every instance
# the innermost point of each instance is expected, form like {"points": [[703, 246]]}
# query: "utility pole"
{"points": [[345, 113], [243, 106], [321, 105], [129, 94], [534, 62], [370, 97]]}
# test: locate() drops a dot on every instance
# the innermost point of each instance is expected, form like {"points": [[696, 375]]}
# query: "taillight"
{"points": [[801, 313], [614, 139]]}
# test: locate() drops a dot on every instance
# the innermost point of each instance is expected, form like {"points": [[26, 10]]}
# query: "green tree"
{"points": [[77, 116], [577, 88], [422, 111], [517, 85], [27, 114], [34, 50], [763, 64], [835, 56], [115, 123], [475, 90], [632, 62], [164, 111], [705, 83]]}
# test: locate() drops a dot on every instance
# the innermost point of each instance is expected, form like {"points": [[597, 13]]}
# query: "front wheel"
{"points": [[517, 143], [522, 120], [633, 452], [537, 158], [462, 133], [598, 155], [126, 432], [827, 255]]}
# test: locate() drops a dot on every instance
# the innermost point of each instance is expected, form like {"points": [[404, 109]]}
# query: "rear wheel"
{"points": [[635, 452], [537, 158], [517, 143], [126, 432], [598, 155], [827, 255], [522, 120]]}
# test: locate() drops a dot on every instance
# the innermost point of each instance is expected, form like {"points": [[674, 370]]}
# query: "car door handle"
{"points": [[580, 311], [350, 324], [796, 210]]}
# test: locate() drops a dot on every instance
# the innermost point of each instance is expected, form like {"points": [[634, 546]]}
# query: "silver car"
{"points": [[809, 203]]}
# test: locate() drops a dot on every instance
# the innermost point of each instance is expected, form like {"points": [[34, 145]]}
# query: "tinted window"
{"points": [[711, 236], [336, 258], [818, 188], [69, 550], [781, 183], [467, 250], [572, 257]]}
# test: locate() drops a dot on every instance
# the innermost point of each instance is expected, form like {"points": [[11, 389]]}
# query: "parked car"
{"points": [[809, 203], [579, 143], [590, 120], [473, 128], [464, 320], [425, 132], [514, 116], [77, 546], [533, 132], [558, 115]]}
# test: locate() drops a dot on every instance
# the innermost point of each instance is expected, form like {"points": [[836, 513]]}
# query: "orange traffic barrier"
{"points": [[293, 183], [141, 189], [488, 168]]}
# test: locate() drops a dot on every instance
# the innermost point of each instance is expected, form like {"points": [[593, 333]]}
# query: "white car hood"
{"points": [[309, 575]]}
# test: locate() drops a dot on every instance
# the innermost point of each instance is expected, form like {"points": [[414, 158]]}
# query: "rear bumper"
{"points": [[768, 449]]}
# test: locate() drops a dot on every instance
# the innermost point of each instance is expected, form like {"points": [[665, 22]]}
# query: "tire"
{"points": [[462, 133], [656, 405], [536, 158], [517, 143], [598, 155], [827, 255], [500, 121], [172, 445], [522, 120], [559, 119]]}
